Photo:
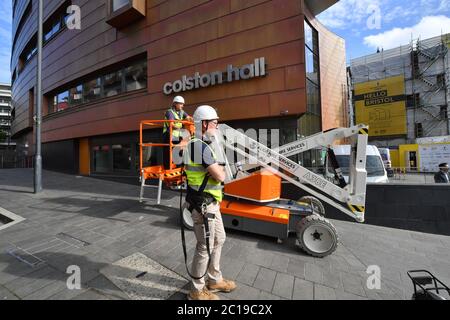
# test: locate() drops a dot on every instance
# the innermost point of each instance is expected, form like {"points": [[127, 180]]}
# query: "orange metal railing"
{"points": [[172, 175]]}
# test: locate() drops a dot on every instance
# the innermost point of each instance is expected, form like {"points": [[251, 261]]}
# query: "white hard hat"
{"points": [[178, 99], [205, 113]]}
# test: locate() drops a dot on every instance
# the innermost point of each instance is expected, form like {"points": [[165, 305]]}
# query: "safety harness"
{"points": [[199, 201]]}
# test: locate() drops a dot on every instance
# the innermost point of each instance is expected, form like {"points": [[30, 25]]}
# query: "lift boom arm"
{"points": [[353, 194]]}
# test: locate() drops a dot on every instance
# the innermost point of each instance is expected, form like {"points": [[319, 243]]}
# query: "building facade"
{"points": [[418, 75], [5, 115], [264, 64]]}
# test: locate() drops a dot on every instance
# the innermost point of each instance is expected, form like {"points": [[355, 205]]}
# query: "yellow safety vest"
{"points": [[196, 173], [176, 126]]}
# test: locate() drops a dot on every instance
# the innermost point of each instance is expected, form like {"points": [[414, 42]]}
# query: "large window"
{"points": [[126, 79], [76, 95], [311, 122], [117, 156], [92, 90], [136, 76], [112, 83], [28, 53], [53, 25], [121, 157], [57, 22], [101, 159], [63, 101]]}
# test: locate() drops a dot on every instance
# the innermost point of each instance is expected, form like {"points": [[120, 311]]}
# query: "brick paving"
{"points": [[92, 223]]}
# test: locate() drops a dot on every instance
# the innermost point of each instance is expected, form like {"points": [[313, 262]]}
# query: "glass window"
{"points": [[313, 98], [112, 84], [31, 53], [92, 90], [312, 66], [101, 158], [117, 4], [136, 76], [52, 31], [52, 101], [121, 157], [63, 101], [66, 18], [374, 165], [76, 95], [308, 35], [309, 124], [311, 38]]}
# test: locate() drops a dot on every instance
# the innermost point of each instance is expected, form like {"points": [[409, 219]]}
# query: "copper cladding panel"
{"points": [[180, 38]]}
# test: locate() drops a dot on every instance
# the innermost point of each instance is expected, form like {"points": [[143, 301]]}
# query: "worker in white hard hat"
{"points": [[175, 112], [205, 177]]}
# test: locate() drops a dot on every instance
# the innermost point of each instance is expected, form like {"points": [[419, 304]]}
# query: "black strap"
{"points": [[205, 223]]}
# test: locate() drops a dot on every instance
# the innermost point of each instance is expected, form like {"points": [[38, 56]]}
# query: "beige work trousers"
{"points": [[216, 241]]}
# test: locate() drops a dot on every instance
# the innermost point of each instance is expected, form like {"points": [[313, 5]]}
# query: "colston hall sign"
{"points": [[248, 71]]}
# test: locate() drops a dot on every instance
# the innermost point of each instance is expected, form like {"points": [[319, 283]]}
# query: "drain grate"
{"points": [[25, 256], [8, 219], [72, 240]]}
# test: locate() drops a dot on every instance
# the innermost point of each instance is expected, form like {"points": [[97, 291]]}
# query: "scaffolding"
{"points": [[425, 67]]}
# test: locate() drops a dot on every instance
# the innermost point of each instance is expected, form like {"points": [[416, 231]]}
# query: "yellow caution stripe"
{"points": [[364, 131], [174, 174], [356, 209]]}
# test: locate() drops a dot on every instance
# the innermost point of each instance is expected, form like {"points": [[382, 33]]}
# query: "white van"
{"points": [[376, 173], [386, 156]]}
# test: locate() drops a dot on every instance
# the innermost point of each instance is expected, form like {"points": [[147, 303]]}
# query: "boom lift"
{"points": [[253, 200]]}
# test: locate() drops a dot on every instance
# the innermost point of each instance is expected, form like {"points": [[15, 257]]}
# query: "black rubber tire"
{"points": [[316, 204], [316, 220]]}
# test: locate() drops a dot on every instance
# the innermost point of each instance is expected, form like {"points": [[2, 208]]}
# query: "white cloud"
{"points": [[399, 12], [348, 12], [351, 13], [428, 27]]}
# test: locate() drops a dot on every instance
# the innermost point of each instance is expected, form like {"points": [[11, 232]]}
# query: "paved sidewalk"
{"points": [[93, 223]]}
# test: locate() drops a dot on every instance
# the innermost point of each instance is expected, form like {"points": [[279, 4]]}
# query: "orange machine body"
{"points": [[261, 186], [255, 212], [250, 199]]}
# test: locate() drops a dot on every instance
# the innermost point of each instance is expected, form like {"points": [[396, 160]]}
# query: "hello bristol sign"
{"points": [[248, 71]]}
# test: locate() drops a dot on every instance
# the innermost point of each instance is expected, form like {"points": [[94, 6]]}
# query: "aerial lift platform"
{"points": [[252, 188]]}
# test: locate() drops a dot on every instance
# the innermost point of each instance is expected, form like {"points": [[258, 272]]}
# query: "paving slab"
{"points": [[142, 278]]}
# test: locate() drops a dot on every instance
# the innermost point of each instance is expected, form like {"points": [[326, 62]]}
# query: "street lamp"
{"points": [[38, 116]]}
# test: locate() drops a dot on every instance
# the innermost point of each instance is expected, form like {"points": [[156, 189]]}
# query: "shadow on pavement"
{"points": [[29, 281]]}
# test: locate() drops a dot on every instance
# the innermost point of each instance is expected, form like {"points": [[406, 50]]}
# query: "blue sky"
{"points": [[368, 24], [5, 40], [364, 24]]}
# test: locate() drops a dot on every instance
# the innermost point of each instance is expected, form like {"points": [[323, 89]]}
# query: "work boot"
{"points": [[204, 294], [223, 286]]}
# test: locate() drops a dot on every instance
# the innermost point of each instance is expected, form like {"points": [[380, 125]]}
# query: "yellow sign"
{"points": [[381, 105]]}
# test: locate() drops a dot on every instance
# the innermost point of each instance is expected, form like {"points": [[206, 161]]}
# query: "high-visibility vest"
{"points": [[196, 173], [176, 126]]}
